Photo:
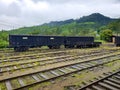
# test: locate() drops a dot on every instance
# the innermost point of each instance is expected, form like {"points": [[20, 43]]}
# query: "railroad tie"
{"points": [[99, 61], [35, 77], [62, 71], [15, 67], [114, 80], [8, 69], [116, 76], [107, 86], [112, 84], [0, 70], [82, 66], [91, 64], [70, 69], [71, 88], [76, 67], [8, 85], [34, 64], [5, 60], [53, 72], [88, 89], [42, 75], [96, 87], [21, 82], [29, 65], [23, 66], [88, 65]]}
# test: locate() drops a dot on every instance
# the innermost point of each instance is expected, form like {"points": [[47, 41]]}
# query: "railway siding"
{"points": [[44, 61], [48, 69], [62, 64], [64, 71]]}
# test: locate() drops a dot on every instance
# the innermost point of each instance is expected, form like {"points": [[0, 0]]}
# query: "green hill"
{"points": [[87, 25]]}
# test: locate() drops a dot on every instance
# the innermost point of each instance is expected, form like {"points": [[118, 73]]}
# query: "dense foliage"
{"points": [[3, 39], [115, 27], [106, 35]]}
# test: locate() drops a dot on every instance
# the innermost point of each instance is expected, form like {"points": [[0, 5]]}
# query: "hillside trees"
{"points": [[115, 26], [92, 25], [106, 35]]}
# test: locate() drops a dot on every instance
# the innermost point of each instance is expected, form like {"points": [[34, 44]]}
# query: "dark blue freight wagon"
{"points": [[24, 42], [117, 40], [78, 41]]}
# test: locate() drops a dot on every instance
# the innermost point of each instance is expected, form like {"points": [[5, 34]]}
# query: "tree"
{"points": [[3, 39], [115, 26], [106, 35], [34, 32]]}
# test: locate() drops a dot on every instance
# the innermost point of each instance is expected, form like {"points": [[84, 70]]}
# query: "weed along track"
{"points": [[28, 80]]}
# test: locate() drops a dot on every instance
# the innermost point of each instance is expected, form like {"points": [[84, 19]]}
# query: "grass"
{"points": [[15, 83], [3, 86], [28, 80], [82, 77], [39, 86], [59, 72], [115, 65], [40, 77], [101, 41], [48, 74], [36, 63], [71, 69]]}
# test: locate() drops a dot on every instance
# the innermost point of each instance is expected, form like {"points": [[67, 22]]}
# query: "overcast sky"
{"points": [[15, 13]]}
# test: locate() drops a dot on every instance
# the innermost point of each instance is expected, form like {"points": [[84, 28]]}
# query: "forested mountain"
{"points": [[86, 25], [97, 18], [58, 23], [96, 25]]}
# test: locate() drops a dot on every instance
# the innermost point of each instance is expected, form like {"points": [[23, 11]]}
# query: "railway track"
{"points": [[25, 81], [35, 58], [25, 54], [39, 55], [110, 81], [10, 52], [41, 62], [31, 51], [29, 56], [33, 54], [15, 55]]}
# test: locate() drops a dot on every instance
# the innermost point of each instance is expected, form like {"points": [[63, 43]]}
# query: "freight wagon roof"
{"points": [[48, 35], [80, 36], [29, 35]]}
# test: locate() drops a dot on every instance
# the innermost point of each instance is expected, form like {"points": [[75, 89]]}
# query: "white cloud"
{"points": [[32, 12]]}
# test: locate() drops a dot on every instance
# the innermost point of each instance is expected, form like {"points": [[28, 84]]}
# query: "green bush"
{"points": [[106, 35], [3, 44]]}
